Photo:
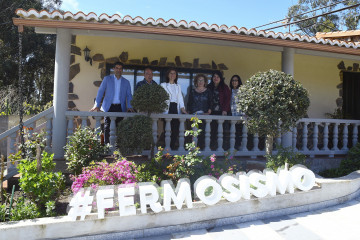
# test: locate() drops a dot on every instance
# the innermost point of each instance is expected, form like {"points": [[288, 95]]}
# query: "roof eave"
{"points": [[183, 33]]}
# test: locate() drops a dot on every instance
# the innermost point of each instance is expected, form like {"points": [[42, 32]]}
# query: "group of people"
{"points": [[215, 98]]}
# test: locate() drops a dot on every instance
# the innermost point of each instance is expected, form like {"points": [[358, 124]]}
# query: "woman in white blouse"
{"points": [[175, 104], [176, 99]]}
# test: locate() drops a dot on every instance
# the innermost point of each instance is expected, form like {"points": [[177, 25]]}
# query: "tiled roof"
{"points": [[128, 20]]}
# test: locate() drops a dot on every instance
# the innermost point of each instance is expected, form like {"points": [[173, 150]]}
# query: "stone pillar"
{"points": [[287, 66], [61, 88]]}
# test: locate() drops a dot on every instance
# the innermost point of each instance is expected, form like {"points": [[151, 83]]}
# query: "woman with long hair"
{"points": [[221, 97], [175, 103]]}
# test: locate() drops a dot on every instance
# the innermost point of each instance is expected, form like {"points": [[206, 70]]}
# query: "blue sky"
{"points": [[240, 13]]}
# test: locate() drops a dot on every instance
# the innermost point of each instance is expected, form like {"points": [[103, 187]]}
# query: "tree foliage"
{"points": [[344, 20], [38, 54], [269, 98], [150, 99]]}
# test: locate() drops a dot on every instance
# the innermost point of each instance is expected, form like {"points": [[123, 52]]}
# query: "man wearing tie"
{"points": [[117, 97]]}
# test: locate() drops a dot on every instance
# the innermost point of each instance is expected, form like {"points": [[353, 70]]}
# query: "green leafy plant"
{"points": [[269, 98], [150, 99], [184, 166], [347, 166], [24, 210], [42, 185], [83, 147], [134, 135], [285, 155], [2, 212]]}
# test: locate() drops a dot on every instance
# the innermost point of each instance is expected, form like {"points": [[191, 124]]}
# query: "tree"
{"points": [[343, 20], [272, 100], [38, 54]]}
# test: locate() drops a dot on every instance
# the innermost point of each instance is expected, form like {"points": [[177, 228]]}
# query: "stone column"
{"points": [[61, 88], [287, 66]]}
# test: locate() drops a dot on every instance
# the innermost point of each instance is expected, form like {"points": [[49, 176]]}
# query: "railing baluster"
{"points": [[335, 137], [154, 131], [48, 133], [98, 126], [167, 133], [305, 137], [316, 137], [244, 138], [345, 137], [294, 136], [326, 137], [83, 122], [232, 136], [70, 128], [220, 135], [112, 133], [256, 142], [355, 134], [182, 134], [207, 135]]}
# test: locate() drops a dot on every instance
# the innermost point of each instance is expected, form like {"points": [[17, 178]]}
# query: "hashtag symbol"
{"points": [[81, 205]]}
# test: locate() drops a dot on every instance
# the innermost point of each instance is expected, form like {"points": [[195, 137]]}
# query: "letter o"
{"points": [[303, 178], [216, 194]]}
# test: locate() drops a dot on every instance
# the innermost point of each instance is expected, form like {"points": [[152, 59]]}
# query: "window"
{"points": [[351, 96], [135, 74]]}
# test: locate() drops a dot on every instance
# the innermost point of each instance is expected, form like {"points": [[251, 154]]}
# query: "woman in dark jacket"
{"points": [[221, 95], [220, 106], [200, 98], [200, 102]]}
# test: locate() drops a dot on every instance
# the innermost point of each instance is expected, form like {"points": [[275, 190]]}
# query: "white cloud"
{"points": [[70, 5]]}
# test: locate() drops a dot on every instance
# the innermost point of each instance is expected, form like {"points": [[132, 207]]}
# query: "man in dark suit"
{"points": [[117, 97]]}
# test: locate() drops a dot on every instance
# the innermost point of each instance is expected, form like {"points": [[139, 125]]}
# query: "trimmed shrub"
{"points": [[134, 134], [150, 99], [83, 147], [269, 98]]}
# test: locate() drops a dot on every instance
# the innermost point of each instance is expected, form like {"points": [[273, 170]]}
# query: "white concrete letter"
{"points": [[149, 195], [256, 180], [244, 185], [303, 178], [126, 201], [279, 182], [228, 182], [104, 199], [182, 193], [202, 184]]}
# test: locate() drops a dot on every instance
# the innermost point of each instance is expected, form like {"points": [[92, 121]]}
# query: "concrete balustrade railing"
{"points": [[32, 125], [312, 137], [228, 133]]}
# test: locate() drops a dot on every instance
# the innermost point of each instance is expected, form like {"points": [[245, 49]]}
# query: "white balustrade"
{"points": [[319, 135]]}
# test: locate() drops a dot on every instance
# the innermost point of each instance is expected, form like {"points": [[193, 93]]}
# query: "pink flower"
{"points": [[212, 166]]}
